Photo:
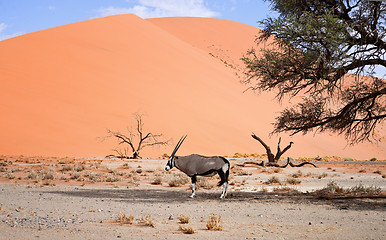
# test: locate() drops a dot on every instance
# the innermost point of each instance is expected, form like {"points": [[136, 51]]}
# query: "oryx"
{"points": [[196, 165]]}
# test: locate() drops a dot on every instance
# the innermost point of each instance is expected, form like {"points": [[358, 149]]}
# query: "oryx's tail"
{"points": [[224, 172]]}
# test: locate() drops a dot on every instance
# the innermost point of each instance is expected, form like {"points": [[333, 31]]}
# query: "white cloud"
{"points": [[164, 8], [3, 36], [3, 26]]}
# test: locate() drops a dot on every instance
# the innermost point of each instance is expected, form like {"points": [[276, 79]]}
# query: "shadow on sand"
{"points": [[178, 196]]}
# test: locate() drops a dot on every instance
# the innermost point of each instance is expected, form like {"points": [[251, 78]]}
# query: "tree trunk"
{"points": [[272, 159]]}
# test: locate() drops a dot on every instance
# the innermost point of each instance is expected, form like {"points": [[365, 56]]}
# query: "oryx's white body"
{"points": [[196, 165]]}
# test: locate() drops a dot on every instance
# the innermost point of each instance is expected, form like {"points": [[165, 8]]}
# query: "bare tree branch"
{"points": [[273, 159], [143, 140]]}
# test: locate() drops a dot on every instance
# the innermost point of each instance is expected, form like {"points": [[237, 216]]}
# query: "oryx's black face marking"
{"points": [[170, 164]]}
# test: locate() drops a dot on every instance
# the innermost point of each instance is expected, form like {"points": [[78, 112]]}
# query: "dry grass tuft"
{"points": [[297, 174], [286, 190], [293, 181], [157, 181], [378, 172], [323, 175], [123, 219], [214, 223], [238, 171], [183, 218], [126, 166], [333, 188], [147, 221], [178, 180], [203, 182], [277, 170], [186, 229], [360, 189], [272, 180]]}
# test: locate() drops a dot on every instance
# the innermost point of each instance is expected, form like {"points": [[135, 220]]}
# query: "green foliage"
{"points": [[315, 45]]}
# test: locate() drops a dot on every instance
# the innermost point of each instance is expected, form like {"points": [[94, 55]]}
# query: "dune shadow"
{"points": [[178, 196]]}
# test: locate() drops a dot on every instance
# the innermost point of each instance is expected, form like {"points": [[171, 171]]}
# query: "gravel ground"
{"points": [[90, 213]]}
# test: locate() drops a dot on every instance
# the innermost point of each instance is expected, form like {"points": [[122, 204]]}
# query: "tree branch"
{"points": [[271, 157]]}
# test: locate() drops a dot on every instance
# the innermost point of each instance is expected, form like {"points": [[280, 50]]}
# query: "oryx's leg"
{"points": [[194, 180], [224, 190], [224, 181]]}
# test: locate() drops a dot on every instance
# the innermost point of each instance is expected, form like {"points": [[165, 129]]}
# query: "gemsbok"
{"points": [[196, 165]]}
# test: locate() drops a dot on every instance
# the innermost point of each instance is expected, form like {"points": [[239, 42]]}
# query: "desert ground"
{"points": [[100, 198]]}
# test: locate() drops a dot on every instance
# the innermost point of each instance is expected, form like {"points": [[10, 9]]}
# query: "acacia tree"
{"points": [[135, 140], [325, 53]]}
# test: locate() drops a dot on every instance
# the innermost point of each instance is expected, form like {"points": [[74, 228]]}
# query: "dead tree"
{"points": [[273, 159], [135, 136]]}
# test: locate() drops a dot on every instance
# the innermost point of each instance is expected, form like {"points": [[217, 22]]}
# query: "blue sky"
{"points": [[19, 17]]}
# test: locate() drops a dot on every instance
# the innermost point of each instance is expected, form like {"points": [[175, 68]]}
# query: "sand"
{"points": [[62, 88], [59, 207]]}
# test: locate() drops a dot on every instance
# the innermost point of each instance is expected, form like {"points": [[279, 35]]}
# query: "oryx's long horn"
{"points": [[178, 145]]}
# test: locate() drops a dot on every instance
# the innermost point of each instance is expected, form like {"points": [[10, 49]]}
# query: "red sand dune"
{"points": [[62, 88]]}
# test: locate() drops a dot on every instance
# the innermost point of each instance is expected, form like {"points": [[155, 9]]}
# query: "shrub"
{"points": [[378, 172], [157, 181], [273, 180], [332, 187], [147, 221], [214, 223], [79, 167], [126, 166], [32, 175], [178, 180], [286, 190], [9, 175], [360, 189], [123, 219], [186, 229], [112, 179], [293, 181], [183, 218], [238, 171], [373, 159], [93, 177], [277, 170], [297, 174], [75, 175], [48, 175], [67, 167], [203, 182], [323, 175]]}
